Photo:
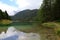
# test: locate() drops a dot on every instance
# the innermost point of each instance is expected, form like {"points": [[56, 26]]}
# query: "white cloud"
{"points": [[29, 4], [22, 5], [7, 7]]}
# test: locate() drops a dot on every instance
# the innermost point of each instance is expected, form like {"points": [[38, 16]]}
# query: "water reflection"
{"points": [[13, 34]]}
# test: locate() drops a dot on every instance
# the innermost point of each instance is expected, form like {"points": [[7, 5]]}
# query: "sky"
{"points": [[12, 6]]}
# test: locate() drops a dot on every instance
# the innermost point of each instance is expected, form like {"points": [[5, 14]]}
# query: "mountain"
{"points": [[25, 15]]}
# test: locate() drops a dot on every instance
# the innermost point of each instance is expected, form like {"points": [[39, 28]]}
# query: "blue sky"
{"points": [[14, 5], [10, 2]]}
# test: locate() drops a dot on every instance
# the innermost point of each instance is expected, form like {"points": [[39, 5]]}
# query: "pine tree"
{"points": [[48, 11], [4, 15], [56, 10], [1, 14], [44, 12]]}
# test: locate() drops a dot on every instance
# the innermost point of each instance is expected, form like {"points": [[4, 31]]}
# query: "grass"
{"points": [[54, 26], [49, 24], [5, 22]]}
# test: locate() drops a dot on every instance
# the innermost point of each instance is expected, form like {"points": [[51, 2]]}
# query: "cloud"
{"points": [[28, 4], [21, 5], [7, 7]]}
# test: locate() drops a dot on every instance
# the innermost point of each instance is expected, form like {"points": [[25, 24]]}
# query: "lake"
{"points": [[27, 27], [24, 27]]}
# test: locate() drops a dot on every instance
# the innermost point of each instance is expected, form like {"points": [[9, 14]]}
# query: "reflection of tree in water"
{"points": [[13, 34]]}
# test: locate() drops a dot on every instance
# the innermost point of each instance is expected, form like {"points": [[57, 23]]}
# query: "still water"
{"points": [[19, 31]]}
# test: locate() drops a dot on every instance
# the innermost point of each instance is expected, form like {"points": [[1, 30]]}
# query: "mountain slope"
{"points": [[25, 15]]}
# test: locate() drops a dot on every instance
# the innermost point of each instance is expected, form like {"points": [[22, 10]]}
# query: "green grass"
{"points": [[49, 24]]}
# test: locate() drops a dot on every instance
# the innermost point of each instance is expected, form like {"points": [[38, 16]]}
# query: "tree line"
{"points": [[49, 11], [4, 15]]}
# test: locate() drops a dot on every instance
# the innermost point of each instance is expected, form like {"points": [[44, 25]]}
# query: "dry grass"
{"points": [[5, 21]]}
